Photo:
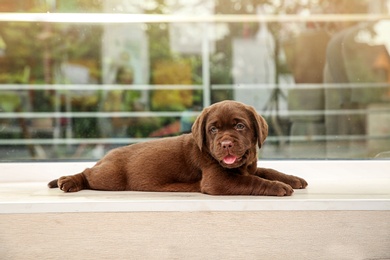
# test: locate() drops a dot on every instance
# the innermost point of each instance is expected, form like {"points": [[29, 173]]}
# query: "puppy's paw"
{"points": [[277, 188], [295, 182], [68, 184]]}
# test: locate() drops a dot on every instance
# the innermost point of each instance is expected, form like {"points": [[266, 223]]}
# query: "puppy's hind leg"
{"points": [[102, 176], [67, 183], [72, 183]]}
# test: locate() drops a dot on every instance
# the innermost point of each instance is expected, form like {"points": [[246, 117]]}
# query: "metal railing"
{"points": [[73, 89]]}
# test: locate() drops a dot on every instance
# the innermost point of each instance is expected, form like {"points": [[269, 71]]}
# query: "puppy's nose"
{"points": [[226, 144]]}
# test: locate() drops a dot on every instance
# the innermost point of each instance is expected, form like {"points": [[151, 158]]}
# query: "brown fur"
{"points": [[193, 162]]}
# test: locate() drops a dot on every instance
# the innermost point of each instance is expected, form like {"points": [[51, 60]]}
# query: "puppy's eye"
{"points": [[213, 130], [240, 126]]}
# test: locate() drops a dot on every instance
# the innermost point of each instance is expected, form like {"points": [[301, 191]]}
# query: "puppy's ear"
{"points": [[260, 125], [199, 129]]}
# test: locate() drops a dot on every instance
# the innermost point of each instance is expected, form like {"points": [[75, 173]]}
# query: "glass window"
{"points": [[78, 78]]}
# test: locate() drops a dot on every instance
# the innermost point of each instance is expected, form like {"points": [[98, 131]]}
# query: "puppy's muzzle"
{"points": [[226, 145]]}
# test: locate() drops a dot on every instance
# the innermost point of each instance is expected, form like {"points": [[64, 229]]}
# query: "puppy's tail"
{"points": [[53, 184]]}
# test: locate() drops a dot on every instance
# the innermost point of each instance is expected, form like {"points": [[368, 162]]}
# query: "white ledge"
{"points": [[333, 185]]}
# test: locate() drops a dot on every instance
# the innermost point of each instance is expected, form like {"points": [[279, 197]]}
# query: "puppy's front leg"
{"points": [[223, 182], [271, 174]]}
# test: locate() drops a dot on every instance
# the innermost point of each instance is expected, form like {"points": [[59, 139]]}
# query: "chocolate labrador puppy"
{"points": [[219, 157]]}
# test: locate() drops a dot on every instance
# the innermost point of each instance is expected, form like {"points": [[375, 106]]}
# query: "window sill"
{"points": [[333, 185]]}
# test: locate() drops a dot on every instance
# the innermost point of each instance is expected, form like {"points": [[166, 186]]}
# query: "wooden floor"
{"points": [[197, 235]]}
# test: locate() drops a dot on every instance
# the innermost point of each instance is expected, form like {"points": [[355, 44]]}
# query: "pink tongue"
{"points": [[229, 159]]}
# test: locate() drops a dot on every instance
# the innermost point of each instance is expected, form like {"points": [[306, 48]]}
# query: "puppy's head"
{"points": [[230, 132]]}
